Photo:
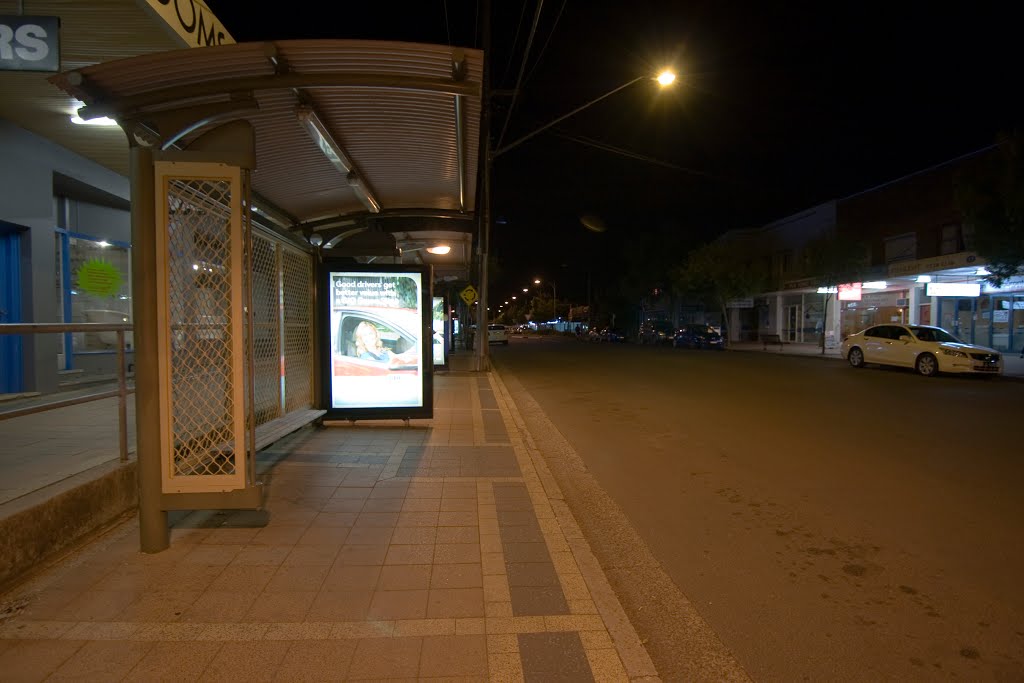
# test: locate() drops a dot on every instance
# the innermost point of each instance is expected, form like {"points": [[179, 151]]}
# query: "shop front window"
{"points": [[94, 281]]}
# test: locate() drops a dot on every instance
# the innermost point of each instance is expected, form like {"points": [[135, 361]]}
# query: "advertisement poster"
{"points": [[376, 323], [439, 336]]}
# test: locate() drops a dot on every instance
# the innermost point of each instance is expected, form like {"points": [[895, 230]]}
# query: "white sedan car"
{"points": [[929, 350]]}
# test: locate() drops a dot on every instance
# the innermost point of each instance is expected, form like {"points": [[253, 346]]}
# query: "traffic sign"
{"points": [[469, 295]]}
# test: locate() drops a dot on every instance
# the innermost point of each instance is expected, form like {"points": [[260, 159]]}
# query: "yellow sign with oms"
{"points": [[468, 295]]}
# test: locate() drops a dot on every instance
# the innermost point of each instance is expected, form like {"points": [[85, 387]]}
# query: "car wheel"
{"points": [[856, 357], [927, 365]]}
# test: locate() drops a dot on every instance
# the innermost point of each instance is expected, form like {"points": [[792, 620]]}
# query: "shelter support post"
{"points": [[153, 529]]}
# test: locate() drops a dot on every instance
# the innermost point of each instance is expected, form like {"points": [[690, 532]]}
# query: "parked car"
{"points": [[695, 336], [497, 334], [656, 332], [611, 334], [929, 350]]}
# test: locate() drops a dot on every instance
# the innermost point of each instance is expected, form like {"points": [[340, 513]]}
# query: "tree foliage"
{"points": [[720, 271], [992, 202]]}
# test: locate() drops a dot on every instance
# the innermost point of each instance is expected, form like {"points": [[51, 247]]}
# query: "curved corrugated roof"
{"points": [[391, 106]]}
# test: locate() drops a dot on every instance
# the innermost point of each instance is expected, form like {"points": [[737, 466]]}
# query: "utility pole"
{"points": [[483, 361]]}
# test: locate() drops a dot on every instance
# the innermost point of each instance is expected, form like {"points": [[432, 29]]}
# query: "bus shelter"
{"points": [[249, 163]]}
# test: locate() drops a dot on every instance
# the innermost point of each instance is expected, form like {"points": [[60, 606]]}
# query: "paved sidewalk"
{"points": [[441, 549]]}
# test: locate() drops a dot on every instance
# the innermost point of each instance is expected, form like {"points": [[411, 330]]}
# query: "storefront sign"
{"points": [[29, 43], [191, 21], [850, 292], [740, 303], [930, 265], [953, 289]]}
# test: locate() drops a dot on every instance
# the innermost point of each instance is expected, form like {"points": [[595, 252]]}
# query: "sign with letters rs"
{"points": [[29, 43]]}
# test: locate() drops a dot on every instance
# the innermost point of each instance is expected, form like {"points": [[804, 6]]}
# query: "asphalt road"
{"points": [[814, 522]]}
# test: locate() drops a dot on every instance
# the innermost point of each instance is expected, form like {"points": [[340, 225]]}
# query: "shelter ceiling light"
{"points": [[439, 249], [336, 154], [99, 121]]}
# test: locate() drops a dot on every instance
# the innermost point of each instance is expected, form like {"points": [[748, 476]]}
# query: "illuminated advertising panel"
{"points": [[376, 345], [849, 292], [440, 337]]}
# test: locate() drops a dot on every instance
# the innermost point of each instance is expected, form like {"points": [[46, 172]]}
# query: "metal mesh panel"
{"points": [[199, 306], [265, 295], [298, 323]]}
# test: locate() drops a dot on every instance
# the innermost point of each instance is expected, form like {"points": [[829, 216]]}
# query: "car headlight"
{"points": [[953, 353]]}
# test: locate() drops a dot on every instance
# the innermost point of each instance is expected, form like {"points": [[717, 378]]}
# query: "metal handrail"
{"points": [[122, 374]]}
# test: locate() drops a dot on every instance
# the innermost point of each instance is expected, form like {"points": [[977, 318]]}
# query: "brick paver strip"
{"points": [[553, 656]]}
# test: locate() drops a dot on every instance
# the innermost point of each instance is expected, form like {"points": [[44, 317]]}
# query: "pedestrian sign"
{"points": [[468, 295]]}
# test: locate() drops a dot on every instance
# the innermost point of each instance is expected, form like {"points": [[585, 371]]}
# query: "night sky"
{"points": [[780, 106]]}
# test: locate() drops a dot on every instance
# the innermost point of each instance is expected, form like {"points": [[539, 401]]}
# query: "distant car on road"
{"points": [[928, 350], [693, 336]]}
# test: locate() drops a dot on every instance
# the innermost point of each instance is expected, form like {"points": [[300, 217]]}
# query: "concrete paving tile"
{"points": [[458, 504], [219, 606], [498, 609], [333, 537], [339, 606], [526, 552], [289, 579], [458, 534], [515, 625], [558, 656], [279, 535], [505, 667], [312, 555], [596, 640], [261, 555], [386, 658], [34, 660], [109, 630], [453, 656], [350, 492], [493, 564], [409, 554], [335, 519], [357, 630], [162, 606], [537, 600], [456, 576], [573, 622], [178, 631], [370, 535], [212, 555], [243, 662], [404, 577], [377, 519], [351, 505], [421, 505], [496, 588], [394, 605], [362, 554], [108, 660], [574, 587], [424, 627], [455, 602], [531, 574], [318, 660], [244, 578], [524, 533], [606, 666], [280, 606], [173, 662], [49, 605], [99, 605], [458, 518], [383, 505], [343, 577], [418, 519], [414, 535], [306, 630], [502, 643], [422, 490], [582, 607], [25, 629], [457, 553], [467, 626]]}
